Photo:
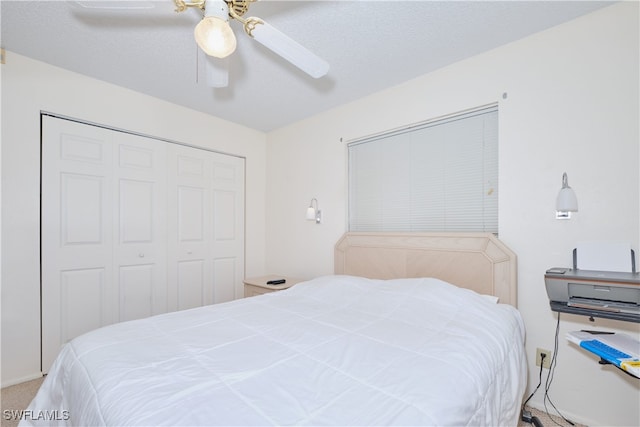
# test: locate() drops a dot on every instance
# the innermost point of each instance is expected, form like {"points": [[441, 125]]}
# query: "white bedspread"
{"points": [[336, 350]]}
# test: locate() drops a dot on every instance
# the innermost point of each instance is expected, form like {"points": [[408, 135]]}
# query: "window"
{"points": [[440, 175]]}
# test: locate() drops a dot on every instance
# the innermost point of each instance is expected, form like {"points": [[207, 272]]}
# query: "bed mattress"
{"points": [[337, 350]]}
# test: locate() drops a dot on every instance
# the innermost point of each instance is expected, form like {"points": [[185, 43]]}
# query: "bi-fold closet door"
{"points": [[133, 227]]}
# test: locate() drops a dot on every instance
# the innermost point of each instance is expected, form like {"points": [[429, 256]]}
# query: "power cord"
{"points": [[550, 374], [526, 414]]}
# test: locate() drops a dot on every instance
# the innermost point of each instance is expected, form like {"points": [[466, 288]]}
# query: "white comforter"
{"points": [[336, 350]]}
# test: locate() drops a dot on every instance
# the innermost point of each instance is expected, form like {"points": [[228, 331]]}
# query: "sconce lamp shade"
{"points": [[311, 213], [567, 201]]}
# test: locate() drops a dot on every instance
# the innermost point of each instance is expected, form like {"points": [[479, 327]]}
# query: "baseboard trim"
{"points": [[21, 380]]}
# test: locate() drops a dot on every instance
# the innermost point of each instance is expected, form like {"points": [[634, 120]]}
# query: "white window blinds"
{"points": [[440, 175]]}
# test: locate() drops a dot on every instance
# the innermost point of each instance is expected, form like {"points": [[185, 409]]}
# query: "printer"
{"points": [[610, 294], [594, 292]]}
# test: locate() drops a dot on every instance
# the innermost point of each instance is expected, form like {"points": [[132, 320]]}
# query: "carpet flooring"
{"points": [[15, 398]]}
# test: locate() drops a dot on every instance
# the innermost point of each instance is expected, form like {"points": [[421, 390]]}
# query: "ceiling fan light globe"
{"points": [[215, 37]]}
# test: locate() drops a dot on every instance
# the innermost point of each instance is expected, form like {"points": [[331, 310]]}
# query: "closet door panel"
{"points": [[82, 296], [136, 211], [76, 224], [191, 283], [225, 238], [141, 222], [136, 290], [228, 228], [224, 205], [81, 204], [191, 209], [224, 274], [189, 177]]}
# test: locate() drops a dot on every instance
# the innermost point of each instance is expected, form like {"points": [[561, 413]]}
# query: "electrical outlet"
{"points": [[546, 363]]}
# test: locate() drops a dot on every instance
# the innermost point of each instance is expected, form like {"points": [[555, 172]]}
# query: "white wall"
{"points": [[27, 88], [571, 105]]}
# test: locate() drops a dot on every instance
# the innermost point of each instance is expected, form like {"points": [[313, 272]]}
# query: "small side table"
{"points": [[258, 285]]}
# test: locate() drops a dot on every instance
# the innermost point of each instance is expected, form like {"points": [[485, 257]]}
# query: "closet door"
{"points": [[140, 227], [206, 227], [77, 238], [104, 228], [133, 227], [227, 258], [189, 228]]}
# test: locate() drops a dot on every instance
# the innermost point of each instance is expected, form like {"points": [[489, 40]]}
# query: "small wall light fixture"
{"points": [[313, 213], [566, 201]]}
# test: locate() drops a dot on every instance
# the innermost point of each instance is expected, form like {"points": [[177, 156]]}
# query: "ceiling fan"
{"points": [[215, 37]]}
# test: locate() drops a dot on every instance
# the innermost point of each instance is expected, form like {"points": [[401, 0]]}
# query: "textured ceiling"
{"points": [[370, 45]]}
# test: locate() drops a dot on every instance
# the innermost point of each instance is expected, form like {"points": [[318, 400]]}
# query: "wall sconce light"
{"points": [[566, 201], [314, 212]]}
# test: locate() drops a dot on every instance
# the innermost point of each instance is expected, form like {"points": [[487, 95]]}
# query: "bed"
{"points": [[402, 334]]}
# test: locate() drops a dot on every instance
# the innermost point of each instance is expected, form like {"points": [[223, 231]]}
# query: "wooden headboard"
{"points": [[476, 261]]}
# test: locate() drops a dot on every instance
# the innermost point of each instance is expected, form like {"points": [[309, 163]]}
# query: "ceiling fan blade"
{"points": [[289, 49], [117, 4], [217, 71]]}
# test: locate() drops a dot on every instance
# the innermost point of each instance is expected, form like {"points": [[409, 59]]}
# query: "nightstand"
{"points": [[258, 285]]}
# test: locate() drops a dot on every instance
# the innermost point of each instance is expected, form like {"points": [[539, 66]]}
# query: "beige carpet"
{"points": [[18, 397], [548, 420]]}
